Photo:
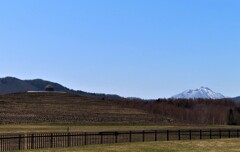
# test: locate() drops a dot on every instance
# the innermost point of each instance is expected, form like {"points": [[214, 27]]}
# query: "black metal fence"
{"points": [[10, 142]]}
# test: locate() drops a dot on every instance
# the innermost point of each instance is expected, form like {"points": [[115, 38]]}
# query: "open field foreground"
{"points": [[222, 145], [28, 128]]}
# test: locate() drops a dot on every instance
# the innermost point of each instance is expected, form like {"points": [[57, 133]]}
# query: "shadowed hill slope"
{"points": [[237, 99], [10, 85], [69, 108]]}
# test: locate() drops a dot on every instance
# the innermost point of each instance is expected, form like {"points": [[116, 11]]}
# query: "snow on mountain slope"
{"points": [[202, 92]]}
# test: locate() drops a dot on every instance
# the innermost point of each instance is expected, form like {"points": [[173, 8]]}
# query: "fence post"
{"points": [[101, 138], [155, 133], [200, 133], [210, 134], [68, 138], [179, 135], [1, 148], [229, 134], [19, 142], [130, 136], [85, 138], [167, 135], [51, 140], [32, 141], [220, 134], [143, 136], [190, 134], [116, 137]]}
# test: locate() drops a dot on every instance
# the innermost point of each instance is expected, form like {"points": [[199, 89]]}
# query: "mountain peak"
{"points": [[202, 87], [202, 92]]}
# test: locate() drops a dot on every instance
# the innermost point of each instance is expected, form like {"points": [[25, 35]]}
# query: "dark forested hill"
{"points": [[14, 85], [237, 99]]}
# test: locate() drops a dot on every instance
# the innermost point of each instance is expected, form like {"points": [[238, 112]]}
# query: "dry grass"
{"points": [[81, 128], [68, 108], [222, 145]]}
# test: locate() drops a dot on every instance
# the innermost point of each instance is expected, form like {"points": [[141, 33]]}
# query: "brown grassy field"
{"points": [[216, 145], [27, 128], [63, 108]]}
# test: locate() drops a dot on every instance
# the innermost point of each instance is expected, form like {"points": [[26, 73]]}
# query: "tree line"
{"points": [[193, 111]]}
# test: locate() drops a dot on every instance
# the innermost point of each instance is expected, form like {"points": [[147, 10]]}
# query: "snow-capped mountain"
{"points": [[202, 92]]}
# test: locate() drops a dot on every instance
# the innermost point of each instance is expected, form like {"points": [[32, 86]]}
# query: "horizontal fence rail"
{"points": [[10, 142]]}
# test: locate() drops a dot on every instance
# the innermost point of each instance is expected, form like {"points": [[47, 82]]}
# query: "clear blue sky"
{"points": [[141, 48]]}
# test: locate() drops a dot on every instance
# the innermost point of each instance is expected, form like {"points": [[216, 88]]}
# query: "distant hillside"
{"points": [[10, 85], [237, 99]]}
